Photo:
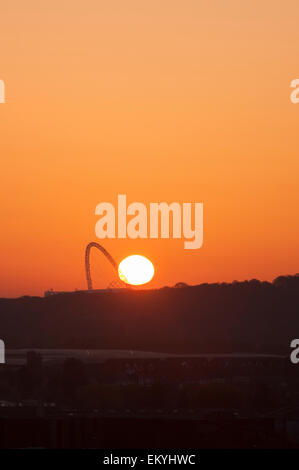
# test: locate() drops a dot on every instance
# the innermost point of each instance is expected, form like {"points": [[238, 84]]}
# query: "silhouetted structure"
{"points": [[87, 260]]}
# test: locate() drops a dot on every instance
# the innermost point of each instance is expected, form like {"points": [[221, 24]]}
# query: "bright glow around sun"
{"points": [[136, 270]]}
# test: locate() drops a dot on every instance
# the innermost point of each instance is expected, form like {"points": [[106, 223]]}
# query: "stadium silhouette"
{"points": [[115, 284]]}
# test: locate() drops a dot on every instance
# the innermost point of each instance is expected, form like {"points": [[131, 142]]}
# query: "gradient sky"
{"points": [[160, 100]]}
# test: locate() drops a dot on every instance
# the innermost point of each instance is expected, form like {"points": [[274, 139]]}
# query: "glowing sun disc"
{"points": [[136, 270]]}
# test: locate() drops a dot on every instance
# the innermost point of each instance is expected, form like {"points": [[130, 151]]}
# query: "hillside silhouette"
{"points": [[249, 316]]}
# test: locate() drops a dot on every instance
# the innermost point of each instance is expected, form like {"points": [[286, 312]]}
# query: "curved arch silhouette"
{"points": [[87, 261]]}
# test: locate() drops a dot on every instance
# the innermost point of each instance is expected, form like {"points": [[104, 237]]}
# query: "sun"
{"points": [[136, 270]]}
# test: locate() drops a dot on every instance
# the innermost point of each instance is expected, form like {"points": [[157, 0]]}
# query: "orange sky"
{"points": [[162, 101]]}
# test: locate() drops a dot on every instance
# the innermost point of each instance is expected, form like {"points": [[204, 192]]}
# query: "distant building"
{"points": [[50, 292]]}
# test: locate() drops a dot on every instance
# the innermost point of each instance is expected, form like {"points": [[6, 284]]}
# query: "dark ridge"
{"points": [[250, 316]]}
